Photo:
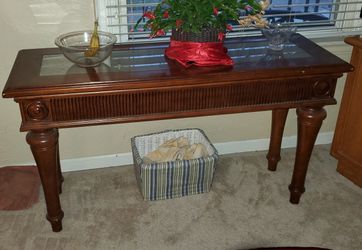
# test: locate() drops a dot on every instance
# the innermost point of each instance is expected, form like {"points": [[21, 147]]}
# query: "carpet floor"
{"points": [[247, 207]]}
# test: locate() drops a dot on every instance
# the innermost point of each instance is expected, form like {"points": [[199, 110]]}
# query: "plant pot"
{"points": [[206, 35], [198, 49]]}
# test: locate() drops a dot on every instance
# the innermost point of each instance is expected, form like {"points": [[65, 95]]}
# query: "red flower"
{"points": [[178, 23], [160, 33], [221, 36], [216, 11], [165, 14], [229, 27], [149, 15]]}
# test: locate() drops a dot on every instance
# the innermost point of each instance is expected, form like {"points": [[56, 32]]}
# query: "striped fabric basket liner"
{"points": [[166, 180]]}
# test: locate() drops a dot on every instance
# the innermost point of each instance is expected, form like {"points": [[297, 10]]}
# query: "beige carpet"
{"points": [[247, 208]]}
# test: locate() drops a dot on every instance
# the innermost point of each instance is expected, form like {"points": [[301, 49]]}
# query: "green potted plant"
{"points": [[202, 16], [199, 26]]}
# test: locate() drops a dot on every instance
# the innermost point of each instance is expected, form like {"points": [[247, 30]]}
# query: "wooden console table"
{"points": [[138, 84]]}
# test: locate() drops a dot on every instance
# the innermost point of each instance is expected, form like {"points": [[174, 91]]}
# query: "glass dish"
{"points": [[278, 35], [75, 44]]}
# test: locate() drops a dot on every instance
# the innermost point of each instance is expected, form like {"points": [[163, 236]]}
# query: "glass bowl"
{"points": [[75, 44], [278, 35]]}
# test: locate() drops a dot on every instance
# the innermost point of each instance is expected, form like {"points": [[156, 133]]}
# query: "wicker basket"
{"points": [[173, 179], [201, 37]]}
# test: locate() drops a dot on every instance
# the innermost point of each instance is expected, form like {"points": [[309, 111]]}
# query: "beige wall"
{"points": [[35, 23]]}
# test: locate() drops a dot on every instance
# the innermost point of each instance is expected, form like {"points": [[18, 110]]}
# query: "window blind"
{"points": [[314, 18]]}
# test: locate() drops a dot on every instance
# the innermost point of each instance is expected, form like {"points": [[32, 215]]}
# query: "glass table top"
{"points": [[150, 58], [47, 71]]}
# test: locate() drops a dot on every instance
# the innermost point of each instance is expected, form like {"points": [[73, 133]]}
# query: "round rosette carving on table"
{"points": [[37, 110]]}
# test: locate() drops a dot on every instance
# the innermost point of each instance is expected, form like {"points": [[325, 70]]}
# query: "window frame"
{"points": [[345, 18]]}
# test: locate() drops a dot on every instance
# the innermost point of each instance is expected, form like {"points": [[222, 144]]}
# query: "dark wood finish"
{"points": [[309, 122], [59, 169], [279, 117], [142, 85], [347, 141], [44, 146]]}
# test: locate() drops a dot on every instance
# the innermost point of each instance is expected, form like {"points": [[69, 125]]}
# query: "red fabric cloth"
{"points": [[198, 54]]}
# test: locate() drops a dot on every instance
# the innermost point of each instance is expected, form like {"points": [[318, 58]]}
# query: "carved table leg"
{"points": [[44, 144], [309, 122], [278, 122], [59, 170]]}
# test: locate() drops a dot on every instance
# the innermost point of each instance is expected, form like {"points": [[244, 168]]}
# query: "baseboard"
{"points": [[223, 148]]}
